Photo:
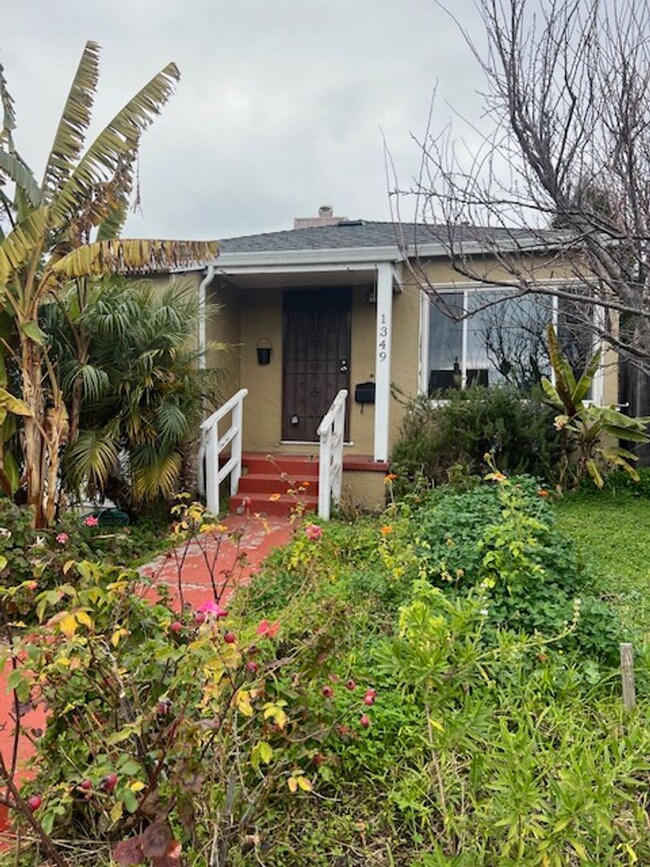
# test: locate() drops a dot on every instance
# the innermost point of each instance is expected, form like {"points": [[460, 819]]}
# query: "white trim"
{"points": [[423, 354], [203, 288], [383, 342], [342, 256], [327, 268]]}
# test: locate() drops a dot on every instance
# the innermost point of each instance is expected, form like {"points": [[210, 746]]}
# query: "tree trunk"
{"points": [[33, 440]]}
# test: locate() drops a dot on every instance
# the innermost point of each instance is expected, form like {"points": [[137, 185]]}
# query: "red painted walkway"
{"points": [[215, 564], [228, 557]]}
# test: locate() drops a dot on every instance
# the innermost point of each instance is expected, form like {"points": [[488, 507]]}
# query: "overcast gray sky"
{"points": [[280, 105]]}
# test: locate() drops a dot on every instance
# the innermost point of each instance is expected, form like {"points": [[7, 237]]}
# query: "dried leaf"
{"points": [[155, 839], [128, 852]]}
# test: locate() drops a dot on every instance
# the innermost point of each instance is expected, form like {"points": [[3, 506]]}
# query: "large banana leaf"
{"points": [[21, 242], [565, 382], [8, 114], [129, 256], [75, 119], [584, 383], [116, 142], [21, 175]]}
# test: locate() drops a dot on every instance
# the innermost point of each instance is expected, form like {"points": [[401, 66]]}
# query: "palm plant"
{"points": [[66, 228], [129, 372]]}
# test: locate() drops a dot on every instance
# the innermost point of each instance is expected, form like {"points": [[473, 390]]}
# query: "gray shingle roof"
{"points": [[350, 234]]}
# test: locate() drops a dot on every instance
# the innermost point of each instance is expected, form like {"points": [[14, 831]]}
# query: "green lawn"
{"points": [[612, 531]]}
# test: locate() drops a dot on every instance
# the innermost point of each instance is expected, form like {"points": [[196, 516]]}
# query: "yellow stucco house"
{"points": [[335, 307]]}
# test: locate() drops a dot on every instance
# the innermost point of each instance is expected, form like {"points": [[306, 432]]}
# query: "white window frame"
{"points": [[466, 289]]}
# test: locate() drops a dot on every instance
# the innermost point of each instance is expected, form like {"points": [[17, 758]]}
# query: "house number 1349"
{"points": [[383, 334]]}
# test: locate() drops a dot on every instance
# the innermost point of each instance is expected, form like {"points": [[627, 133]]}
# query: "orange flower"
{"points": [[275, 497], [306, 484], [386, 530], [389, 478], [543, 493]]}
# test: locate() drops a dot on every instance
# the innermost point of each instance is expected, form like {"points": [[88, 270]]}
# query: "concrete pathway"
{"points": [[215, 564]]}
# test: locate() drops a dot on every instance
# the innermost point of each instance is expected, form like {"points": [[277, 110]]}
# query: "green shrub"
{"points": [[435, 438], [503, 536]]}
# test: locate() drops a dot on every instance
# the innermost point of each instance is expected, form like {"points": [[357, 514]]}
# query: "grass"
{"points": [[612, 531]]}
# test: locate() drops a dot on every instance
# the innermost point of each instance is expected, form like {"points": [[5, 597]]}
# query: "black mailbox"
{"points": [[364, 392]]}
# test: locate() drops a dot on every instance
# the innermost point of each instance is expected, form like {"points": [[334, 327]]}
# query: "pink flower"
{"points": [[91, 521], [246, 502], [62, 538], [212, 607], [313, 532]]}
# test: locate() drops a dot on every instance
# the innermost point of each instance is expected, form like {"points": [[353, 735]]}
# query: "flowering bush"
{"points": [[167, 729]]}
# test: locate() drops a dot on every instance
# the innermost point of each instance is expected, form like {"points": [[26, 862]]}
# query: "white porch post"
{"points": [[382, 358]]}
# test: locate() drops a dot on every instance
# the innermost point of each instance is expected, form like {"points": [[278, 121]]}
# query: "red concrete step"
{"points": [[272, 483], [296, 467], [262, 504]]}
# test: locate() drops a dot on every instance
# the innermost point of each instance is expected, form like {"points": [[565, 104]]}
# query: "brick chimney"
{"points": [[325, 218]]}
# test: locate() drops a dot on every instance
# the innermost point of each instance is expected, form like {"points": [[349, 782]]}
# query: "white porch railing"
{"points": [[331, 432], [212, 446]]}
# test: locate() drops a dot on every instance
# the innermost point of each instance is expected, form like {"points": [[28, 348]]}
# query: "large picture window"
{"points": [[480, 336]]}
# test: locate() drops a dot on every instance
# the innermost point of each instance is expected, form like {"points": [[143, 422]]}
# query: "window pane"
{"points": [[506, 338], [445, 343]]}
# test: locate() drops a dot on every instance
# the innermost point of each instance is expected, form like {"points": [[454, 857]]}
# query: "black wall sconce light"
{"points": [[264, 351]]}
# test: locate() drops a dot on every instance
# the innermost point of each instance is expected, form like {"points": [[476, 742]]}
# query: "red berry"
{"points": [[252, 666], [34, 802], [350, 684], [372, 692], [199, 618], [365, 721], [230, 638], [163, 706], [109, 782], [86, 784], [369, 699], [176, 627], [327, 691]]}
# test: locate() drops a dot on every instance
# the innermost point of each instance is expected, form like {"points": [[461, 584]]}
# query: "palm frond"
{"points": [[21, 175], [95, 381], [123, 256], [90, 460], [73, 125], [173, 423], [21, 242], [117, 141], [8, 113], [154, 472]]}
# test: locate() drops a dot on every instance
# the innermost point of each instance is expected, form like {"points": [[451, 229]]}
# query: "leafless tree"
{"points": [[565, 171]]}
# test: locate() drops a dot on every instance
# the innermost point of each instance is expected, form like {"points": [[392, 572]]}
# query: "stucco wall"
{"points": [[247, 315]]}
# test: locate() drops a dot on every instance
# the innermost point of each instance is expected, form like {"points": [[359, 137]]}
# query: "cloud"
{"points": [[281, 106]]}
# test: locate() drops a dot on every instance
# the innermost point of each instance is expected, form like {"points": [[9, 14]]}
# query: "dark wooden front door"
{"points": [[316, 357]]}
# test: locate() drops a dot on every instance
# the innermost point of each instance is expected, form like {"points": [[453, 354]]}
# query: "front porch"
{"points": [[278, 484]]}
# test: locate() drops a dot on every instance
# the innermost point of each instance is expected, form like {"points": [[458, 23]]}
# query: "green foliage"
{"points": [[590, 433], [438, 439], [130, 373], [33, 561], [504, 537], [486, 742]]}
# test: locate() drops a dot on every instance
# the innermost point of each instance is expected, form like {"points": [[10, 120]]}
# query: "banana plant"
{"points": [[592, 433], [65, 228]]}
